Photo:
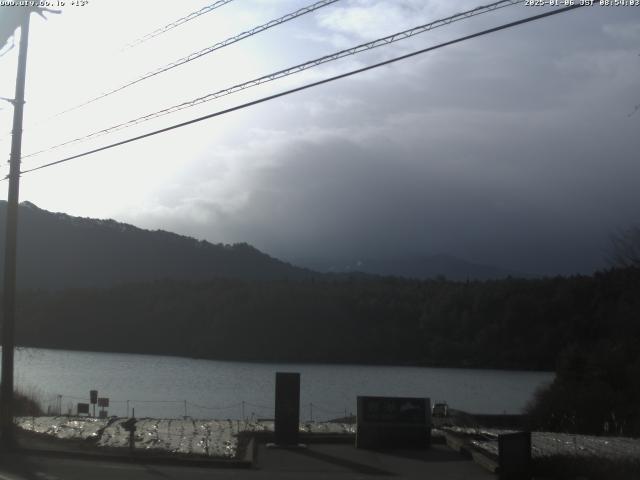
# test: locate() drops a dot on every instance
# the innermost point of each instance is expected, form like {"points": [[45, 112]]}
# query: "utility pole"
{"points": [[10, 253], [7, 433]]}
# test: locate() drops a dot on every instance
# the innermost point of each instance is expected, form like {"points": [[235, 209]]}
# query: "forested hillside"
{"points": [[58, 251]]}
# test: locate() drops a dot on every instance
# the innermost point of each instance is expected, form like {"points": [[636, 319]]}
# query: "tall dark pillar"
{"points": [[287, 408]]}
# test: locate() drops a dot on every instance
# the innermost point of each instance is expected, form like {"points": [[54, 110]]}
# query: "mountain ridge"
{"points": [[57, 251]]}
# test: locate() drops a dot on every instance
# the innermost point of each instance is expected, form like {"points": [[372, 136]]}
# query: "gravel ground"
{"points": [[214, 438], [548, 444]]}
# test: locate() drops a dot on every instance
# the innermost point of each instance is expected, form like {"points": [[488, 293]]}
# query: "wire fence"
{"points": [[58, 404]]}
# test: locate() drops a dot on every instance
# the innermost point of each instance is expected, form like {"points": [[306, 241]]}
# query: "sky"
{"points": [[517, 149]]}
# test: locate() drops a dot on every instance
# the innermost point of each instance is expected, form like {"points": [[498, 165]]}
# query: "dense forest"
{"points": [[508, 323], [586, 327]]}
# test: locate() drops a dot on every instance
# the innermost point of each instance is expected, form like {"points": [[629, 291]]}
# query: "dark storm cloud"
{"points": [[515, 150], [361, 201]]}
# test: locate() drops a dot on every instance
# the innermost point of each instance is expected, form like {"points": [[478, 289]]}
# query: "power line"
{"points": [[177, 23], [289, 71], [153, 34], [195, 55], [310, 85]]}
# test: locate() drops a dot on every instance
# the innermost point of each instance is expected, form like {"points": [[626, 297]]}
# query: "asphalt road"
{"points": [[336, 462], [45, 468]]}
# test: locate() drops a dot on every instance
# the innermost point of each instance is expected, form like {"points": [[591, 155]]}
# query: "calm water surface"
{"points": [[159, 386]]}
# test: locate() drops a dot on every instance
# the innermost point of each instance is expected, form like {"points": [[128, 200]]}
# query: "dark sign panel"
{"points": [[93, 394], [83, 408], [514, 455], [393, 422], [103, 402], [394, 410], [287, 408], [130, 425]]}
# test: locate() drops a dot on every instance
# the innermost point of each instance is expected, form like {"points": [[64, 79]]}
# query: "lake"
{"points": [[170, 387]]}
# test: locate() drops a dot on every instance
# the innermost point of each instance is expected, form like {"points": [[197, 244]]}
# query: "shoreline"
{"points": [[292, 362]]}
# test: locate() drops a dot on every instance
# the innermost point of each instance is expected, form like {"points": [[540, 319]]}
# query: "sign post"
{"points": [[93, 397], [130, 426], [103, 402]]}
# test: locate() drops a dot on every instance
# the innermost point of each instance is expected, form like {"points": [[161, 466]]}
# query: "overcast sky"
{"points": [[516, 149]]}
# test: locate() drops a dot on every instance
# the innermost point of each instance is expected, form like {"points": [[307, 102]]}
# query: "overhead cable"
{"points": [[288, 71], [205, 51], [310, 85], [178, 22]]}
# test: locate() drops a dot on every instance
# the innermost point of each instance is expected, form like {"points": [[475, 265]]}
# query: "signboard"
{"points": [[514, 455], [393, 422], [93, 394], [83, 408], [287, 421], [103, 402], [393, 410]]}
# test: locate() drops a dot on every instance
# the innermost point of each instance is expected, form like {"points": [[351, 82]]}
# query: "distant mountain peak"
{"points": [[26, 204], [419, 266]]}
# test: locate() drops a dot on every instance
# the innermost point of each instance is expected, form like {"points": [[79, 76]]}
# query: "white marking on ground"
{"points": [[45, 476], [4, 477]]}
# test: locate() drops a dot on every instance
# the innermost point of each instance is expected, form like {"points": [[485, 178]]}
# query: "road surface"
{"points": [[315, 462]]}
